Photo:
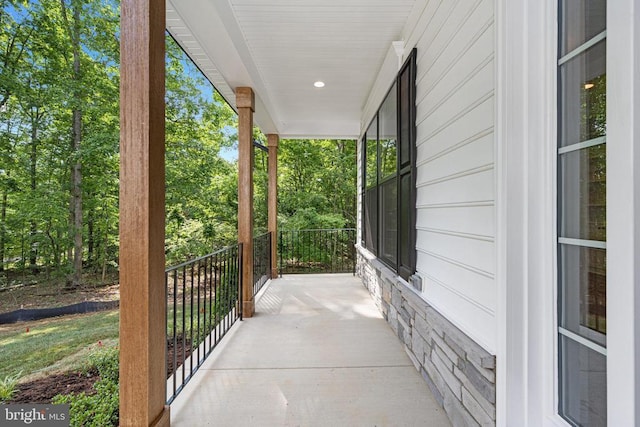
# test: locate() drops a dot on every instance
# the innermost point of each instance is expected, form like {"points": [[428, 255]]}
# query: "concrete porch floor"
{"points": [[316, 353]]}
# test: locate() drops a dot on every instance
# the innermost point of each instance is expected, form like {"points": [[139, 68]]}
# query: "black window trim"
{"points": [[403, 267]]}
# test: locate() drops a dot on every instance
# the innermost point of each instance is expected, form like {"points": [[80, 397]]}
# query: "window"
{"points": [[389, 176], [370, 194], [582, 325]]}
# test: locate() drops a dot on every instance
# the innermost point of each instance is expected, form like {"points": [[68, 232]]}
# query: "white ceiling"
{"points": [[281, 47]]}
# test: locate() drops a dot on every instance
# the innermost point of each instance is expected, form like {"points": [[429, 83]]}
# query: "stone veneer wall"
{"points": [[459, 372]]}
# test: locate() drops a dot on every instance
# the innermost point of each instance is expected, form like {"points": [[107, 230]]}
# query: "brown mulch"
{"points": [[44, 389], [180, 355]]}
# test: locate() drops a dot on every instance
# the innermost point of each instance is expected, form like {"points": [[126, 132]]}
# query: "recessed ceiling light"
{"points": [[319, 84]]}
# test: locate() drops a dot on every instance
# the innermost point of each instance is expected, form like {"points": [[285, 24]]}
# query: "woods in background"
{"points": [[59, 143]]}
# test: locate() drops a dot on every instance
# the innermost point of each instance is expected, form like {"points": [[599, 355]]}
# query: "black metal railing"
{"points": [[317, 251], [202, 305], [261, 261]]}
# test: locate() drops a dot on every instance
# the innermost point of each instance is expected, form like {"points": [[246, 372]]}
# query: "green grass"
{"points": [[8, 387], [51, 341]]}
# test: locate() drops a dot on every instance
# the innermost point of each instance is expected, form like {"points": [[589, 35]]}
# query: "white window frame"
{"points": [[526, 63], [623, 212], [526, 162]]}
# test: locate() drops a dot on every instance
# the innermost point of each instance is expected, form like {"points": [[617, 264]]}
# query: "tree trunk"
{"points": [[76, 183], [33, 254], [90, 239], [76, 132], [3, 227]]}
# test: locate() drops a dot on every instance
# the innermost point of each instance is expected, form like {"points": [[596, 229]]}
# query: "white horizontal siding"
{"points": [[467, 189], [467, 155], [455, 160], [474, 285], [475, 252], [448, 301], [473, 220]]}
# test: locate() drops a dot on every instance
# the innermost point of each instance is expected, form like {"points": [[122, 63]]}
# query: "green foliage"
{"points": [[317, 184], [8, 386], [100, 409], [310, 219], [105, 360], [201, 198], [39, 92]]}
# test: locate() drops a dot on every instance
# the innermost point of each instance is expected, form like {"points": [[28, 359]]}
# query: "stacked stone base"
{"points": [[459, 372]]}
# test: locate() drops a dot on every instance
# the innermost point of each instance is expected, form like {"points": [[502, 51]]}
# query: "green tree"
{"points": [[317, 184]]}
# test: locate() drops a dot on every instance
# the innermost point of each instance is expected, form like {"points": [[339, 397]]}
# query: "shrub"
{"points": [[99, 409], [8, 387]]}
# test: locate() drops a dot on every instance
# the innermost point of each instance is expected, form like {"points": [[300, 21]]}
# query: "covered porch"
{"points": [[317, 352]]}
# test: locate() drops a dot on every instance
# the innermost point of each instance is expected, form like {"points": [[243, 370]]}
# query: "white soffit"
{"points": [[281, 47]]}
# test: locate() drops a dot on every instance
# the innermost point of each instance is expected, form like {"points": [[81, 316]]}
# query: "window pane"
{"points": [[370, 218], [580, 21], [388, 135], [371, 172], [583, 384], [389, 223], [582, 97], [583, 194], [405, 118], [404, 217], [583, 292]]}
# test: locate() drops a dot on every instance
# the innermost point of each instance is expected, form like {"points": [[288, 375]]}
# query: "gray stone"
{"points": [[452, 381], [455, 347], [393, 319], [396, 297], [407, 307], [476, 410], [422, 327], [489, 374], [418, 346], [400, 332], [434, 389], [418, 311], [386, 291], [477, 382], [441, 354], [434, 319], [488, 407], [406, 323], [458, 415], [405, 315], [413, 358], [472, 349], [488, 362], [444, 347], [436, 378], [385, 309], [437, 352]]}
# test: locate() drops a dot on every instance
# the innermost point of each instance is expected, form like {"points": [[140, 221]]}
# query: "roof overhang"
{"points": [[281, 47]]}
